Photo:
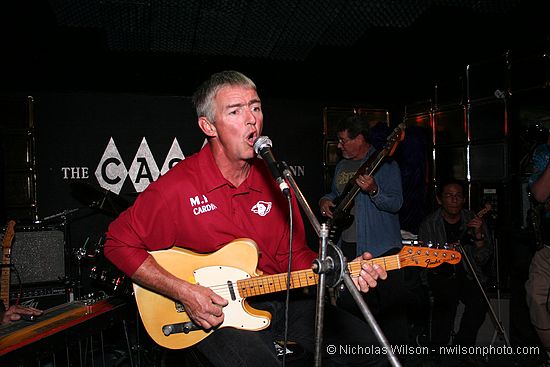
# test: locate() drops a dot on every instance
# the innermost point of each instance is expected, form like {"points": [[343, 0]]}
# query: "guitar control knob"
{"points": [[167, 329]]}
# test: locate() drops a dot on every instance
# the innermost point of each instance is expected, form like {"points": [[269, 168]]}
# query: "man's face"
{"points": [[238, 121], [353, 149], [452, 199]]}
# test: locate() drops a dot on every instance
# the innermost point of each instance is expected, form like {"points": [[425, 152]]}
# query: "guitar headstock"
{"points": [[428, 257], [486, 209], [9, 234], [397, 136]]}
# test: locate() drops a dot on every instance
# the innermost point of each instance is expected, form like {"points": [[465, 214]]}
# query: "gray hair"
{"points": [[203, 99]]}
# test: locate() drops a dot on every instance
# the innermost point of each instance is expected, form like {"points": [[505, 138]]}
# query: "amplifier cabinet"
{"points": [[37, 255], [43, 296]]}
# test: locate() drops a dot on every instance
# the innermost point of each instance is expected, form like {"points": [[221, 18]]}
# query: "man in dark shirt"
{"points": [[450, 284]]}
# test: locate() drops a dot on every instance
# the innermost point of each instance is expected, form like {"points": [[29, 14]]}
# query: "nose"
{"points": [[250, 117]]}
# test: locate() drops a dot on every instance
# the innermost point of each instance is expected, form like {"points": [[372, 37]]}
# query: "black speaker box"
{"points": [[37, 255], [450, 126], [489, 161]]}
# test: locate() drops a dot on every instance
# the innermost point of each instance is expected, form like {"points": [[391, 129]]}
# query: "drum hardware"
{"points": [[62, 214], [99, 199], [102, 272], [103, 200], [82, 252], [110, 279]]}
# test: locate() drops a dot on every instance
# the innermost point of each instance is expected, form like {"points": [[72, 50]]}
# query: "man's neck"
{"points": [[234, 171], [451, 218], [362, 153]]}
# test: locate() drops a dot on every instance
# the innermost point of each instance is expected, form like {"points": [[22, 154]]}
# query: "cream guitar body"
{"points": [[239, 259]]}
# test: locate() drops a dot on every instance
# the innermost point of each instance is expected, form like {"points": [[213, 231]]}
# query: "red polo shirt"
{"points": [[195, 207]]}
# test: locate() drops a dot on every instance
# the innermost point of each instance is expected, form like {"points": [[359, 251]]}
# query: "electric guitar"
{"points": [[341, 217], [231, 273], [486, 209], [476, 257], [6, 261]]}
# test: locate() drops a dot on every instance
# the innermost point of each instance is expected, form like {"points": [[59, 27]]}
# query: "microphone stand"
{"points": [[494, 318], [498, 324], [334, 266]]}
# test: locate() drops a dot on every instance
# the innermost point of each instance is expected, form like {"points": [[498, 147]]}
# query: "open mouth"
{"points": [[252, 138]]}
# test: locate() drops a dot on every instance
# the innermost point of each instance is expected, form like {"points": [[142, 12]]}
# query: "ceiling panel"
{"points": [[278, 30]]}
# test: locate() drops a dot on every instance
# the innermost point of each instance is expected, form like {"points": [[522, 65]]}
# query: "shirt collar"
{"points": [[214, 178]]}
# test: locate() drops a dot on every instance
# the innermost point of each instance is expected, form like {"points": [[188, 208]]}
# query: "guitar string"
{"points": [[309, 278], [299, 275]]}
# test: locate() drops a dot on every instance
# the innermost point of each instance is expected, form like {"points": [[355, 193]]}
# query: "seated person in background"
{"points": [[243, 201], [15, 312], [538, 285], [448, 283]]}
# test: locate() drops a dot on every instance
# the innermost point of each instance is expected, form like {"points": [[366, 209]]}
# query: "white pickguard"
{"points": [[216, 277]]}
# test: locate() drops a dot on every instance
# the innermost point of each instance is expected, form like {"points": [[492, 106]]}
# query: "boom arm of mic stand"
{"points": [[320, 267]]}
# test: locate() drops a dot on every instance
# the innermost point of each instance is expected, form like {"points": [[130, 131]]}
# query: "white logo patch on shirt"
{"points": [[262, 208], [201, 205]]}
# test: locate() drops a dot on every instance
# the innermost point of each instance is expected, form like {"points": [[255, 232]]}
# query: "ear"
{"points": [[438, 200], [207, 127]]}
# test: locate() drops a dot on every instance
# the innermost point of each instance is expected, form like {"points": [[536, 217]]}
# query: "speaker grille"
{"points": [[38, 256]]}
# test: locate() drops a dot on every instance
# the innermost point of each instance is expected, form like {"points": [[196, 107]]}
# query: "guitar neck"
{"points": [[6, 261], [480, 214], [5, 277], [303, 278], [369, 168]]}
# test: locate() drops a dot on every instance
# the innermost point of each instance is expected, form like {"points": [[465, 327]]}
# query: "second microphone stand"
{"points": [[332, 269]]}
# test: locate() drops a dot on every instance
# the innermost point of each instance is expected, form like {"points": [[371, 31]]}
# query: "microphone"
{"points": [[262, 146]]}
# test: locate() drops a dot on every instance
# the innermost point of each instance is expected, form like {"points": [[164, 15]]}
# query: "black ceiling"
{"points": [[279, 30], [333, 49]]}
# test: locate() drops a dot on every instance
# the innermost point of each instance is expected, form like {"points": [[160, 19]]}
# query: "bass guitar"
{"points": [[476, 257], [341, 214], [6, 262], [486, 209], [231, 273]]}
